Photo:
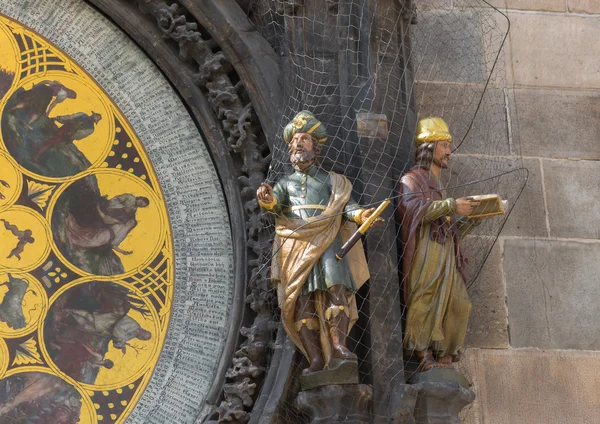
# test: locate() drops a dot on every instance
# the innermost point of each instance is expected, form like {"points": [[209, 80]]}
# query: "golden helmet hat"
{"points": [[432, 130], [305, 122]]}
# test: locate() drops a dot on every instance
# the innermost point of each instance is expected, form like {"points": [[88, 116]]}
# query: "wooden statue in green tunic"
{"points": [[314, 215], [433, 263]]}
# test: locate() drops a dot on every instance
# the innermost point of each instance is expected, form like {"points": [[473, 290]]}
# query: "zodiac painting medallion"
{"points": [[86, 255]]}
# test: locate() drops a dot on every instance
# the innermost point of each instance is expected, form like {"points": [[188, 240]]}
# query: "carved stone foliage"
{"points": [[217, 79]]}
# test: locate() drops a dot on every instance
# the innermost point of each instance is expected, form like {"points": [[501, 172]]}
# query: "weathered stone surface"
{"points": [[535, 387], [402, 405], [349, 403], [562, 127], [501, 4], [339, 372], [457, 104], [541, 5], [471, 414], [553, 293], [584, 6], [442, 58], [528, 216], [555, 50], [572, 192], [488, 325], [443, 393]]}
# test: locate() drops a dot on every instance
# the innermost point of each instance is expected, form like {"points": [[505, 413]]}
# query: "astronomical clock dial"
{"points": [[112, 309]]}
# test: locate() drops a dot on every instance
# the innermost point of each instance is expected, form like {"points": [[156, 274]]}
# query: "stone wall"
{"points": [[534, 330]]}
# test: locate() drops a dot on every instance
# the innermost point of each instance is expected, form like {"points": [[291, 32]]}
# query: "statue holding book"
{"points": [[433, 263], [315, 214]]}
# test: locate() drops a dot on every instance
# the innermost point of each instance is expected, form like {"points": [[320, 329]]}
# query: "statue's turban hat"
{"points": [[432, 130], [305, 122]]}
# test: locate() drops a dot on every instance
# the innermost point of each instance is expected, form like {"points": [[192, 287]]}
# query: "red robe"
{"points": [[417, 190]]}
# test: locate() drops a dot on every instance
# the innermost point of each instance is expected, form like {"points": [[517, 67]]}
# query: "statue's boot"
{"points": [[310, 341], [338, 329]]}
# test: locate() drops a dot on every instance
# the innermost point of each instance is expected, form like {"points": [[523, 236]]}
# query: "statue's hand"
{"points": [[465, 205], [367, 213], [265, 193]]}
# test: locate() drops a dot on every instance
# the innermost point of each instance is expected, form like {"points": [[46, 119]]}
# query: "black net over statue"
{"points": [[369, 71]]}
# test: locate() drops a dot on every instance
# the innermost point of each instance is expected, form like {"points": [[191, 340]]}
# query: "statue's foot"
{"points": [[445, 361], [458, 356], [426, 362], [342, 352], [317, 364]]}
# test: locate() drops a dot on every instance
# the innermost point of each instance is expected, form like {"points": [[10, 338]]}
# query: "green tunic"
{"points": [[294, 193]]}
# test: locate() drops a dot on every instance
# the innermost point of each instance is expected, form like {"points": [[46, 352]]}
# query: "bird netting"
{"points": [[368, 71]]}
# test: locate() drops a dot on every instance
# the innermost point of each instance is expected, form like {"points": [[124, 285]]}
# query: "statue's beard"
{"points": [[302, 157], [442, 162]]}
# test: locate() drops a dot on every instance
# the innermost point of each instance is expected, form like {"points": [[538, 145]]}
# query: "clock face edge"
{"points": [[195, 236]]}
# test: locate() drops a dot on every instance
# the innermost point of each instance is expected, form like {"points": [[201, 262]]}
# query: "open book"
{"points": [[490, 204]]}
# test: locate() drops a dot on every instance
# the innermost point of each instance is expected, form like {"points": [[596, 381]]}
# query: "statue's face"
{"points": [[442, 153], [302, 150]]}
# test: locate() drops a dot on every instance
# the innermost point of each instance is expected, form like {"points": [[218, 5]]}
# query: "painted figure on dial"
{"points": [[90, 320], [11, 308], [314, 214]]}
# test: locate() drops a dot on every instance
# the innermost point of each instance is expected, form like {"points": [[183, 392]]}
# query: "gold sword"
{"points": [[362, 230]]}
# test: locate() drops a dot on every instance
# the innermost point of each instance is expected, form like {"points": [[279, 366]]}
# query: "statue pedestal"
{"points": [[339, 372], [443, 393], [334, 395], [337, 403]]}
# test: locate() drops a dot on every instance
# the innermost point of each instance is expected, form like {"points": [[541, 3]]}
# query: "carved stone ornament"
{"points": [[231, 105]]}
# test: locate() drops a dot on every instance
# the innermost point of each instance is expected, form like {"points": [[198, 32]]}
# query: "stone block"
{"points": [[500, 4], [553, 293], [467, 366], [448, 47], [541, 5], [584, 6], [535, 387], [333, 404], [485, 132], [555, 50], [488, 325], [528, 218], [538, 5], [562, 127], [572, 192]]}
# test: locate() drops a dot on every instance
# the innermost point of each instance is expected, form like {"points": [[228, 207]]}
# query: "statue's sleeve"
{"points": [[439, 208], [352, 211]]}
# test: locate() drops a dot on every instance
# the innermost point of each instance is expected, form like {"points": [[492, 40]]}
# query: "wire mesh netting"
{"points": [[368, 70]]}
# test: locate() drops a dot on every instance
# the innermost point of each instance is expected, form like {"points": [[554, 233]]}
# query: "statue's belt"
{"points": [[300, 207]]}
